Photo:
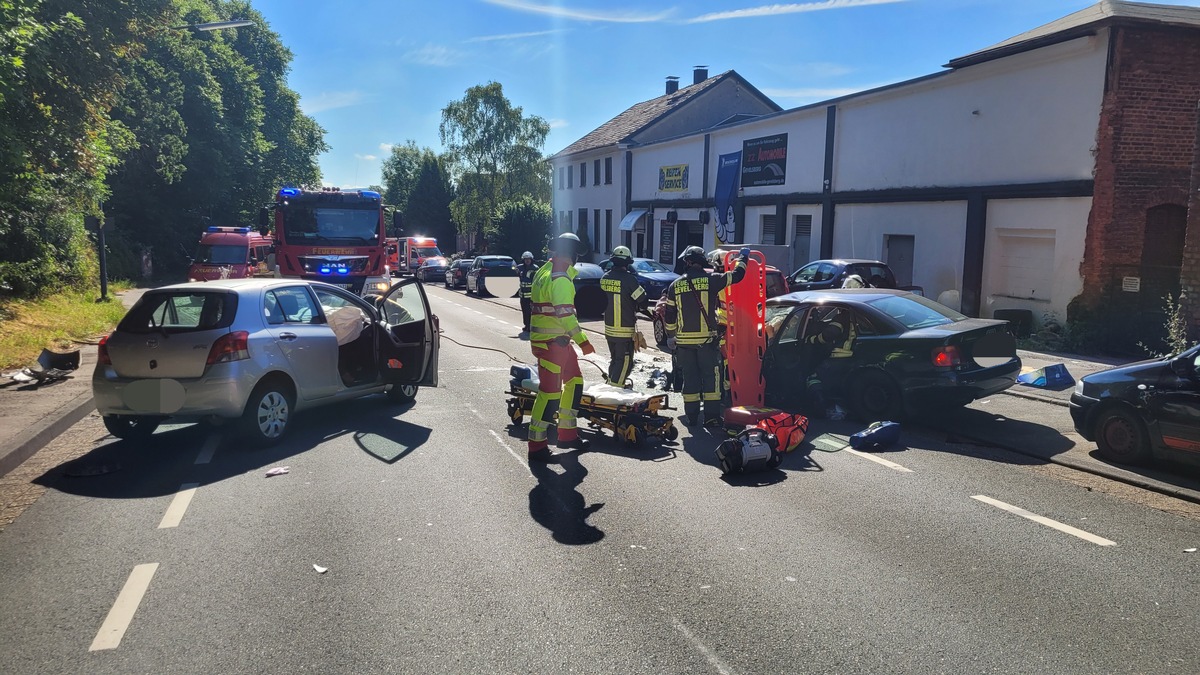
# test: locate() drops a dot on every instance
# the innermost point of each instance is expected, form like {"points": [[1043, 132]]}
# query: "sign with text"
{"points": [[673, 178], [666, 243], [764, 161]]}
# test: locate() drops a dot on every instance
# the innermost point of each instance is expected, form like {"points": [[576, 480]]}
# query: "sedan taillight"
{"points": [[102, 356], [946, 356], [230, 347]]}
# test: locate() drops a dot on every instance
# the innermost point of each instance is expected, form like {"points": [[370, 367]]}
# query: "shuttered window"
{"points": [[596, 172], [801, 226], [768, 229]]}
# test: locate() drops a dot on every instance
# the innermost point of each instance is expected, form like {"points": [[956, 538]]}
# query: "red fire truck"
{"points": [[331, 235]]}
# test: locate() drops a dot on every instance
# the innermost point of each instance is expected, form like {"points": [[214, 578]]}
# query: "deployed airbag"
{"points": [[347, 323]]}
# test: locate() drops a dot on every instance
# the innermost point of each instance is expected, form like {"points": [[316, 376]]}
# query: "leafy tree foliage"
{"points": [[428, 209], [495, 153], [400, 171], [521, 224]]}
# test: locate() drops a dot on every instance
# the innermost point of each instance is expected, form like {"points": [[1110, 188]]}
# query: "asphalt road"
{"points": [[445, 552]]}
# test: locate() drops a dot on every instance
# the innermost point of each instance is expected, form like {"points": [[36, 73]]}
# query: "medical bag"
{"points": [[751, 450], [788, 428], [878, 435]]}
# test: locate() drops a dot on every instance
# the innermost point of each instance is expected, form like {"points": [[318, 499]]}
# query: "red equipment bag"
{"points": [[789, 428]]}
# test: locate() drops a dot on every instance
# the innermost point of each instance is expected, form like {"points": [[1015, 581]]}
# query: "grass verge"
{"points": [[28, 326]]}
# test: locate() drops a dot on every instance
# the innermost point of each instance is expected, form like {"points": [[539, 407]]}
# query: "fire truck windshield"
{"points": [[221, 254], [304, 224]]}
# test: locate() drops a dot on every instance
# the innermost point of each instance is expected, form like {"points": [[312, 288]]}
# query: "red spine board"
{"points": [[745, 339]]}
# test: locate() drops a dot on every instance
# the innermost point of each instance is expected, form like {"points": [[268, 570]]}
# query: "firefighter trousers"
{"points": [[701, 366], [526, 312], [560, 387], [620, 363]]}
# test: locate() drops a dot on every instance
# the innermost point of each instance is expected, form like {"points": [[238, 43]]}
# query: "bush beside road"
{"points": [[53, 322]]}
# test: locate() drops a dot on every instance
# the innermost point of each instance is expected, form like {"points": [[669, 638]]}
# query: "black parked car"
{"points": [[652, 276], [1143, 410], [486, 266], [432, 269], [910, 354], [824, 274], [456, 273], [590, 301]]}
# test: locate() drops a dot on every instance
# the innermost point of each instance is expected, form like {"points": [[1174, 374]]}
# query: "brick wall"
{"points": [[1145, 142]]}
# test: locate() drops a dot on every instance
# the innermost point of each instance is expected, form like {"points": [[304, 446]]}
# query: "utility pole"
{"points": [[99, 225]]}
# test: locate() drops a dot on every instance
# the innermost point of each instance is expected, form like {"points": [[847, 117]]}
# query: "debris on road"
{"points": [[279, 471], [320, 570], [1189, 550]]}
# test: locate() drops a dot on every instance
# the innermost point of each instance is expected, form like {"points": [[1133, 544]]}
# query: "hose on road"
{"points": [[510, 356]]}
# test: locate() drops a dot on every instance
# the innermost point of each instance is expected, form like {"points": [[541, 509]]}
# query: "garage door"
{"points": [[1024, 263]]}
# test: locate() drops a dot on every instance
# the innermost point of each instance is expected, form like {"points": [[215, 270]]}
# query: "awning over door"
{"points": [[631, 218]]}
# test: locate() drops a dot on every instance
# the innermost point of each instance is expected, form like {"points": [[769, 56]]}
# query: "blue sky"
{"points": [[378, 72]]}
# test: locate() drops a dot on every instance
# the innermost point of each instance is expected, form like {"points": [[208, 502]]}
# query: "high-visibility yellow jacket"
{"points": [[553, 297], [691, 300]]}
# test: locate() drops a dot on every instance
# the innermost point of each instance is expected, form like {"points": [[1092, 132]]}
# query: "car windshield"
{"points": [[180, 312], [914, 311], [649, 266], [221, 254], [308, 225]]}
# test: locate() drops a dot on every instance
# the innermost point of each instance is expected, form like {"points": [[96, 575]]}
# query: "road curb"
{"points": [[1036, 397], [26, 444]]}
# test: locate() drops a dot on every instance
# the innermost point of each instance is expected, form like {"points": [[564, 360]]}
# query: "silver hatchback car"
{"points": [[259, 351]]}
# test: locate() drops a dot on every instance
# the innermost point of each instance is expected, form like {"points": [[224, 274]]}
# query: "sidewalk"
{"points": [[34, 416]]}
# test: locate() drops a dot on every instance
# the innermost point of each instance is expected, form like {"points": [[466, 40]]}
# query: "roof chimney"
{"points": [[699, 74], [672, 84]]}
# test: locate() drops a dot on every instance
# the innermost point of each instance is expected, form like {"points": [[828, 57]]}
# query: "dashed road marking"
{"points": [[121, 614], [878, 460], [209, 447], [178, 506], [1043, 520], [709, 656], [512, 452]]}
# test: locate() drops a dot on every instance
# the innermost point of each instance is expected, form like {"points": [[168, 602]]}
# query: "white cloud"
{"points": [[812, 93], [608, 16], [512, 36], [386, 147], [433, 55], [794, 8], [329, 100], [369, 158], [558, 124]]}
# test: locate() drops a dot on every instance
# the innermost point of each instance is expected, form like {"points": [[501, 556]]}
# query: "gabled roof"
{"points": [[1085, 22], [629, 123]]}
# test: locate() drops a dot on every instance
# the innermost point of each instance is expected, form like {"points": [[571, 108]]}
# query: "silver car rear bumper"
{"points": [[221, 392]]}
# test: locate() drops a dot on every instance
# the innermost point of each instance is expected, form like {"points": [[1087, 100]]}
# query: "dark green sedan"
{"points": [[885, 354]]}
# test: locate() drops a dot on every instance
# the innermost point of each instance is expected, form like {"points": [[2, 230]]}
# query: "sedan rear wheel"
{"points": [[131, 427], [1122, 437], [875, 397], [268, 413]]}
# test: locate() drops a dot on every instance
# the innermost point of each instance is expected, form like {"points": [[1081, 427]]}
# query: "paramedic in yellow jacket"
{"points": [[691, 302], [553, 327]]}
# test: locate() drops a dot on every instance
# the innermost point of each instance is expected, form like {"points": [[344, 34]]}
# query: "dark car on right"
{"points": [[820, 275], [1142, 411], [456, 273]]}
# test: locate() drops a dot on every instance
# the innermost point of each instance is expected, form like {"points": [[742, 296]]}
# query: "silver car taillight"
{"points": [[233, 346]]}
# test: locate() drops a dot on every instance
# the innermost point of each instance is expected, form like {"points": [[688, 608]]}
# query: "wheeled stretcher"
{"points": [[631, 416]]}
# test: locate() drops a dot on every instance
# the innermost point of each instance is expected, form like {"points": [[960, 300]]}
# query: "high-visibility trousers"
{"points": [[560, 386]]}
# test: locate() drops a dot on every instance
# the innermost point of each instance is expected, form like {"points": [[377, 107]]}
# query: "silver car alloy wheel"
{"points": [[409, 390], [272, 415]]}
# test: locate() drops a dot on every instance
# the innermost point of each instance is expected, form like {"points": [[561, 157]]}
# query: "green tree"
{"points": [[429, 202], [495, 153], [521, 224], [400, 171]]}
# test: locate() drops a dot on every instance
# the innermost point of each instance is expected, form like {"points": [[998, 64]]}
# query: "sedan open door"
{"points": [[408, 346]]}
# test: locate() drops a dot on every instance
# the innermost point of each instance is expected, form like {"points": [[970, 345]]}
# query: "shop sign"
{"points": [[764, 161], [673, 178], [666, 243]]}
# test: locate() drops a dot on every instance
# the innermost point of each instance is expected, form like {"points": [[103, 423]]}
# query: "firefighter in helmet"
{"points": [[553, 327], [691, 301], [626, 298], [526, 269]]}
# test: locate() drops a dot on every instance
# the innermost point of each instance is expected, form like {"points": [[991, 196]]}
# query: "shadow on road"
{"points": [[557, 504], [117, 469]]}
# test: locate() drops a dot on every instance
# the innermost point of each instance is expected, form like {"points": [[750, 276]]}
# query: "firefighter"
{"points": [[832, 335], [527, 269], [690, 304], [626, 298], [553, 327]]}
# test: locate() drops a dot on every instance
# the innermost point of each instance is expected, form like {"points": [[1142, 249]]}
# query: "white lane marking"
{"points": [[209, 447], [121, 614], [477, 414], [708, 654], [512, 452], [1061, 527], [178, 506], [878, 460]]}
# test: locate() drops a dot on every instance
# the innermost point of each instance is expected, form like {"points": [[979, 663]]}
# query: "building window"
{"points": [[608, 230], [608, 170], [562, 175], [583, 224], [597, 243], [596, 172], [570, 176], [583, 174], [570, 226]]}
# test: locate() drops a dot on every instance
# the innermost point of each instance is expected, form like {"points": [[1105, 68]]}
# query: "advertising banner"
{"points": [[673, 178], [728, 168], [764, 161], [666, 243]]}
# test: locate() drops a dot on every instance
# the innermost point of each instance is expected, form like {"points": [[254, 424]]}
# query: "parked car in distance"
{"points": [[589, 299], [652, 276], [432, 269], [485, 266], [1142, 411], [258, 351], [825, 274], [456, 273], [909, 354]]}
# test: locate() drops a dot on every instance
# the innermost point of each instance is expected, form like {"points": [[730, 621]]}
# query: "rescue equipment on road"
{"points": [[751, 450], [878, 435]]}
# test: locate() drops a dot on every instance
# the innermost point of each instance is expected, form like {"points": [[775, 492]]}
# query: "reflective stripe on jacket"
{"points": [[690, 302], [625, 297], [553, 298], [527, 273]]}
